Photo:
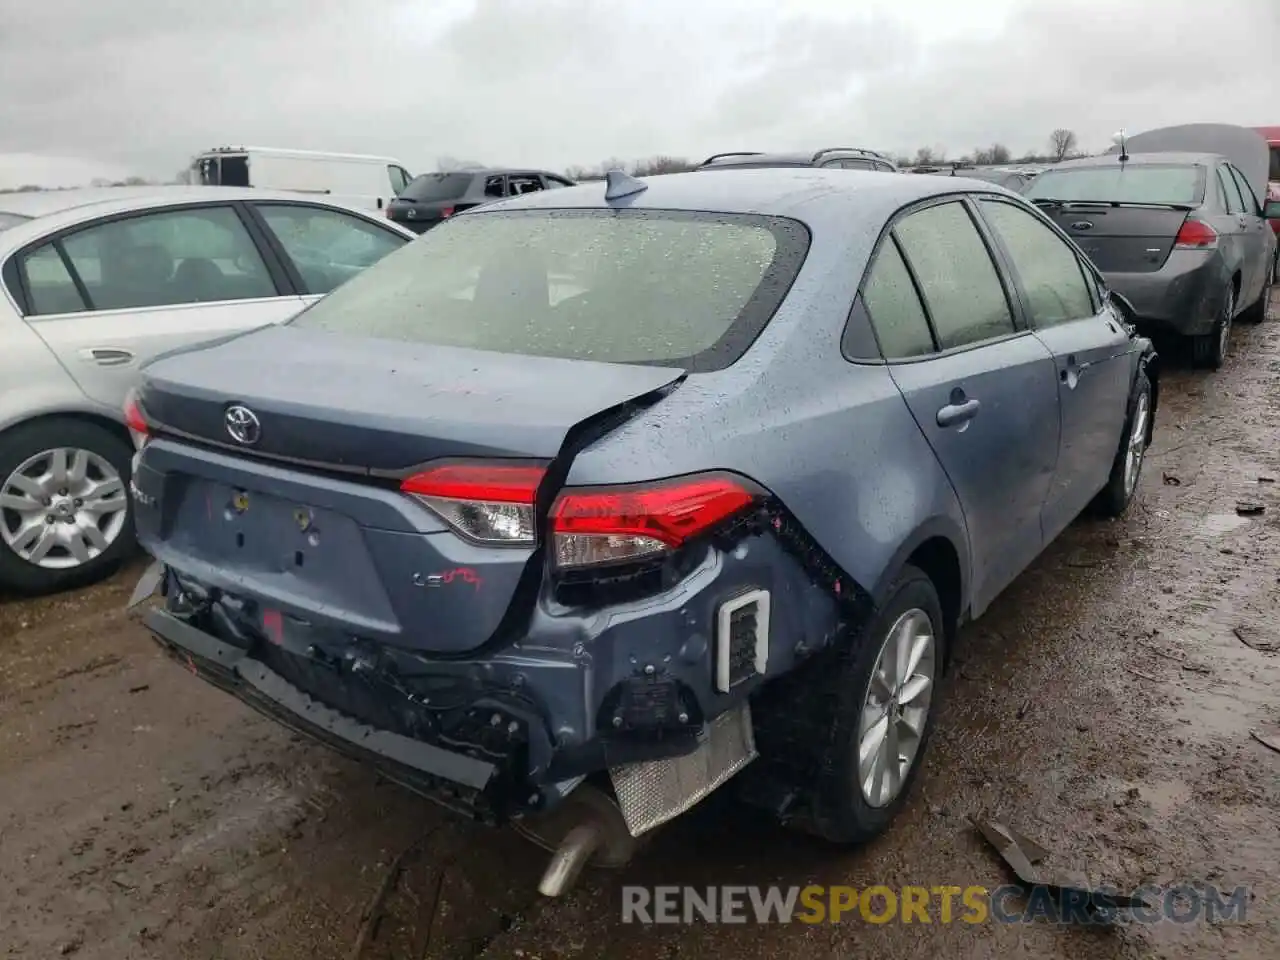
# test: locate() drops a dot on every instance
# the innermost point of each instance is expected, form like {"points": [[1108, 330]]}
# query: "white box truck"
{"points": [[351, 179]]}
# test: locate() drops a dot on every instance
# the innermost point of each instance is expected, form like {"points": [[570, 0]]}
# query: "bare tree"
{"points": [[662, 164], [1062, 143], [448, 164], [996, 153]]}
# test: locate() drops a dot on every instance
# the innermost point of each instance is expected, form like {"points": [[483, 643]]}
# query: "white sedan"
{"points": [[95, 283]]}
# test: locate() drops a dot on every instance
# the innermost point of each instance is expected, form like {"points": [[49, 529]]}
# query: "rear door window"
{"points": [[1224, 195], [200, 255], [495, 186], [327, 247], [962, 289], [523, 183], [50, 287], [1251, 204], [893, 304], [1235, 202], [430, 187], [679, 288], [1049, 269]]}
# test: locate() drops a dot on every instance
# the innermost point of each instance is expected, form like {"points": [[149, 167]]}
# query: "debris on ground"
{"points": [[1170, 480], [1022, 854], [1246, 509], [1270, 742], [1266, 479], [1247, 636]]}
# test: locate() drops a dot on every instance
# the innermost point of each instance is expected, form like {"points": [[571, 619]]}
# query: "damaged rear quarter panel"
{"points": [[835, 442]]}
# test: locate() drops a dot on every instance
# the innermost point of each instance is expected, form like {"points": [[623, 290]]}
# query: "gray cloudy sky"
{"points": [[142, 84]]}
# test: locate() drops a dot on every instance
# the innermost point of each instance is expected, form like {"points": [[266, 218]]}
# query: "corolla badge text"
{"points": [[242, 425]]}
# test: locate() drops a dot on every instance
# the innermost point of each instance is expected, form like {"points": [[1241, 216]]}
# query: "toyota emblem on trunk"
{"points": [[243, 425]]}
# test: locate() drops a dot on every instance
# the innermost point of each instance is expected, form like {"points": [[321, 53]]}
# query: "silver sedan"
{"points": [[95, 283]]}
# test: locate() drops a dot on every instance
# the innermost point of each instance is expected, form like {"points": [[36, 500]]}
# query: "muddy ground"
{"points": [[1103, 706]]}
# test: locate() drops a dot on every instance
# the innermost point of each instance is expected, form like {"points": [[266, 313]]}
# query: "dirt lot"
{"points": [[1104, 706]]}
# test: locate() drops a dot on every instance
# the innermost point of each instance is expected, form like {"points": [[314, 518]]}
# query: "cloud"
{"points": [[558, 82]]}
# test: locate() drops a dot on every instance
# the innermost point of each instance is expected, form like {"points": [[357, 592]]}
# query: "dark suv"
{"points": [[432, 197], [848, 158]]}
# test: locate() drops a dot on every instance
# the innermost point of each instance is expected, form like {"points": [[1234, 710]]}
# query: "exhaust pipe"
{"points": [[570, 857], [586, 827]]}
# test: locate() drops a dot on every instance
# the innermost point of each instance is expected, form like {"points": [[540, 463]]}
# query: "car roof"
{"points": [[1137, 159], [820, 197], [51, 210]]}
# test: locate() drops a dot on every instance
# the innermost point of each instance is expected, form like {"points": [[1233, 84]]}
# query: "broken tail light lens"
{"points": [[490, 503], [1196, 235], [446, 213], [134, 419], [609, 525]]}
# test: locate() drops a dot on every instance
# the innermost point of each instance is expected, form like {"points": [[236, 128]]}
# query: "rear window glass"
{"points": [[437, 186], [1275, 164], [1130, 183], [8, 220], [624, 286]]}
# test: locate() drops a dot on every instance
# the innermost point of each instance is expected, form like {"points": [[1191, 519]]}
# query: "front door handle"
{"points": [[954, 414], [107, 356]]}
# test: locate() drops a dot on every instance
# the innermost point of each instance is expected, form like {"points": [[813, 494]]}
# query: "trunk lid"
{"points": [[362, 405], [1121, 237], [307, 522]]}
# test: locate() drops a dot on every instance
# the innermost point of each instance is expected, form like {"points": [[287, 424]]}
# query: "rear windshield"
{"points": [[1127, 183], [660, 287], [437, 186], [8, 220]]}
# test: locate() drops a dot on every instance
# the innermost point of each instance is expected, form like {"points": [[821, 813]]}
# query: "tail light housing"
{"points": [[134, 419], [446, 212], [489, 503], [589, 527], [594, 527], [1196, 235]]}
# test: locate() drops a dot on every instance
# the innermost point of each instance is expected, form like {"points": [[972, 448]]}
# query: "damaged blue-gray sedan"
{"points": [[590, 502]]}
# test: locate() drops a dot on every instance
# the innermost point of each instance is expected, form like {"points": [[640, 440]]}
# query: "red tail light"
{"points": [[135, 421], [494, 504], [490, 503], [609, 525], [1196, 235], [446, 212]]}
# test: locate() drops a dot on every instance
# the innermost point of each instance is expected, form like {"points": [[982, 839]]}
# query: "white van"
{"points": [[347, 178]]}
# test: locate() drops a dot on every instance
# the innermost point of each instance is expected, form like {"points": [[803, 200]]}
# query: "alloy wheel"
{"points": [[896, 707], [1137, 444]]}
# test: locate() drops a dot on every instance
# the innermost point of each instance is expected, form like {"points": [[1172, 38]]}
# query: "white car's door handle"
{"points": [[107, 356]]}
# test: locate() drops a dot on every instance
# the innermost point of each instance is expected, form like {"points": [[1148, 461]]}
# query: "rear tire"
{"points": [[1115, 497], [843, 809], [1258, 312], [96, 503], [1209, 350]]}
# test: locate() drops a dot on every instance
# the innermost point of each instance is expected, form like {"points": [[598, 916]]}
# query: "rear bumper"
{"points": [[1183, 297], [457, 781]]}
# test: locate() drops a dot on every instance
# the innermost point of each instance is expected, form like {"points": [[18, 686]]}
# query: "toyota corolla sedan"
{"points": [[633, 489], [97, 282]]}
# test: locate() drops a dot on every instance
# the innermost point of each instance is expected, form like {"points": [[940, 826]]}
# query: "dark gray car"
{"points": [[1180, 237], [433, 197]]}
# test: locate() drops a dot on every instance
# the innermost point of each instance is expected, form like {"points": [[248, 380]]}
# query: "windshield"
{"points": [[8, 220], [1121, 183], [623, 286], [436, 186]]}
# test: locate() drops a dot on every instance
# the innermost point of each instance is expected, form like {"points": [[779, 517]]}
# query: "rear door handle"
{"points": [[954, 414], [107, 356]]}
